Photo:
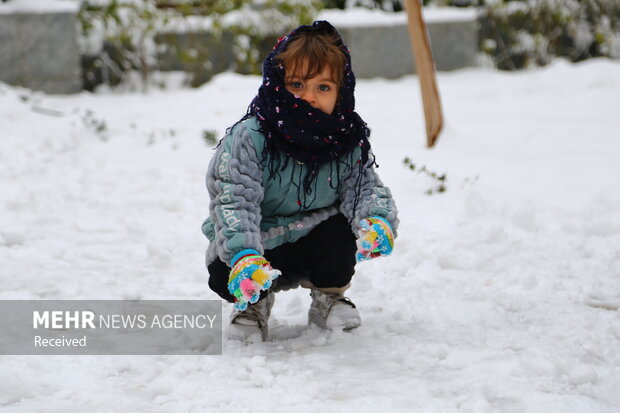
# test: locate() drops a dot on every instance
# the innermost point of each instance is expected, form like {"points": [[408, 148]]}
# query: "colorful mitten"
{"points": [[250, 274], [375, 238]]}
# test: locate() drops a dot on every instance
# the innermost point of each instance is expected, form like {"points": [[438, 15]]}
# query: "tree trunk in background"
{"points": [[426, 71]]}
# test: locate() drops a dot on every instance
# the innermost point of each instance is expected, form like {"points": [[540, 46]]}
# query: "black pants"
{"points": [[325, 257]]}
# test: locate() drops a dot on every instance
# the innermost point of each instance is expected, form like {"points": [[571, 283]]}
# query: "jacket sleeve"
{"points": [[375, 199], [234, 182]]}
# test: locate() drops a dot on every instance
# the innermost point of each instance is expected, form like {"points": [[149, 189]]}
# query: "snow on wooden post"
{"points": [[426, 71]]}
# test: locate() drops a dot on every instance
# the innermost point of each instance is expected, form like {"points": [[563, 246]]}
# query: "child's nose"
{"points": [[309, 97]]}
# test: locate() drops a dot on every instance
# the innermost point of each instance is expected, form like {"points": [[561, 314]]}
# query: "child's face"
{"points": [[321, 91]]}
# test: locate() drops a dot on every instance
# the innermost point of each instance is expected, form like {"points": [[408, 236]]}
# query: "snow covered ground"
{"points": [[502, 294]]}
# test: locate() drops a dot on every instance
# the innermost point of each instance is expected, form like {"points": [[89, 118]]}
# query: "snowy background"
{"points": [[502, 294]]}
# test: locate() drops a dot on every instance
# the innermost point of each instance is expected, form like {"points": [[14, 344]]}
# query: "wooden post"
{"points": [[426, 71]]}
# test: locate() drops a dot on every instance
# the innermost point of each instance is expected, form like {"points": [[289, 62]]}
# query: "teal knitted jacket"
{"points": [[251, 210]]}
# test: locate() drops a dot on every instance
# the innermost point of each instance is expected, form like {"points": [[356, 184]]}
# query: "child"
{"points": [[291, 184]]}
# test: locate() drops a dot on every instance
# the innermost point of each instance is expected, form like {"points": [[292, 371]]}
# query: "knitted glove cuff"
{"points": [[242, 254]]}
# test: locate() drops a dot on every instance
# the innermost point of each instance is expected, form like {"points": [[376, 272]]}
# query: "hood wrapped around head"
{"points": [[295, 129]]}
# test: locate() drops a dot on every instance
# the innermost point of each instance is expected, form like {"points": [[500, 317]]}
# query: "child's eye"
{"points": [[296, 85], [324, 88]]}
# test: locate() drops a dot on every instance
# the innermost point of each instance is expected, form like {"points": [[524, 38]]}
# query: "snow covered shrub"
{"points": [[395, 5], [196, 34], [98, 126], [117, 37], [520, 33], [437, 180], [256, 27], [235, 38], [210, 137], [387, 5]]}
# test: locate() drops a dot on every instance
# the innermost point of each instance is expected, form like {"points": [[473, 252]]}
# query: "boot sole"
{"points": [[317, 320]]}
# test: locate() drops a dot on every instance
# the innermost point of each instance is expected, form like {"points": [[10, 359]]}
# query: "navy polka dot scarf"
{"points": [[309, 136]]}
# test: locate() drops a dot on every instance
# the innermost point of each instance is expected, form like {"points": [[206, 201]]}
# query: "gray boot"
{"points": [[333, 311], [253, 322]]}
